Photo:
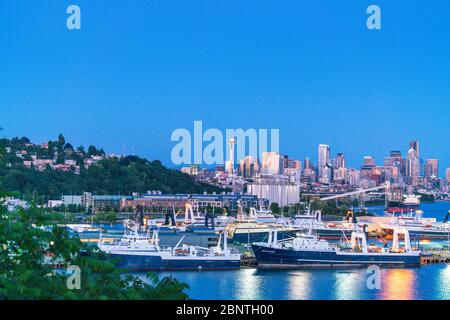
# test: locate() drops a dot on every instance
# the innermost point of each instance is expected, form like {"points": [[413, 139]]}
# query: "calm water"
{"points": [[426, 282], [436, 210]]}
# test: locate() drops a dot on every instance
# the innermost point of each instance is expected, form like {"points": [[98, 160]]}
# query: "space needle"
{"points": [[230, 169]]}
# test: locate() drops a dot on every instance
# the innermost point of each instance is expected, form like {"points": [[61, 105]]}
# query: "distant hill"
{"points": [[49, 170]]}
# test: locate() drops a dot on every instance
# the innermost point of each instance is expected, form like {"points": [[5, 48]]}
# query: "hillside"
{"points": [[46, 171]]}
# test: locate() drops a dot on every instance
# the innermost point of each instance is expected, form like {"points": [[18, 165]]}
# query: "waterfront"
{"points": [[427, 282]]}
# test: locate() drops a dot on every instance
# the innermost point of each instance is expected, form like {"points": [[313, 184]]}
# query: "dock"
{"points": [[248, 261], [435, 256]]}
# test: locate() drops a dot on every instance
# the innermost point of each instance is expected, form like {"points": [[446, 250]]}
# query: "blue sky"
{"points": [[140, 69]]}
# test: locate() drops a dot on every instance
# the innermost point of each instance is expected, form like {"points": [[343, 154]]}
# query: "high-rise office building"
{"points": [[285, 161], [412, 167], [447, 175], [369, 161], [396, 154], [308, 170], [353, 177], [339, 170], [323, 163], [339, 161], [307, 164], [431, 168], [415, 146], [272, 163], [367, 169], [249, 166]]}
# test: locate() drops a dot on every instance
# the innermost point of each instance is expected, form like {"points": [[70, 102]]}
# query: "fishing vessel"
{"points": [[85, 232], [246, 232], [326, 230], [256, 225], [403, 203], [308, 250], [419, 228], [195, 235], [262, 215], [142, 253]]}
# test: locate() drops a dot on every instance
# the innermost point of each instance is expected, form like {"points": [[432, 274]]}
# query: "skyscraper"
{"points": [[307, 164], [323, 163], [396, 154], [249, 166], [369, 161], [308, 171], [367, 169], [272, 163], [415, 145], [447, 174], [339, 168], [431, 168], [412, 167], [285, 161]]}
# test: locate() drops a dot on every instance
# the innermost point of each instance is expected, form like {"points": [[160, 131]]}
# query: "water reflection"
{"points": [[249, 285], [300, 285], [427, 282], [398, 284], [443, 283], [348, 285]]}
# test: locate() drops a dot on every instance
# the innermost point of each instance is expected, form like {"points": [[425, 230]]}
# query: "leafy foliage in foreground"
{"points": [[30, 239]]}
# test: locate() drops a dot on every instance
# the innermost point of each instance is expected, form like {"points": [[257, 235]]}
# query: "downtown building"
{"points": [[163, 202], [309, 172], [431, 169], [272, 163], [323, 164], [339, 169], [413, 167], [249, 166]]}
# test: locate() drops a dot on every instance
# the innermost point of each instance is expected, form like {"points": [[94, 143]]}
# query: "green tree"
{"points": [[61, 140], [275, 208], [31, 241]]}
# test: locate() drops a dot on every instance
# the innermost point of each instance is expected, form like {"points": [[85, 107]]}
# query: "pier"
{"points": [[435, 256]]}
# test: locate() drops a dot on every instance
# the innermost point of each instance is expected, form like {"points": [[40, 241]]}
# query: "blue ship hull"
{"points": [[155, 263], [282, 258]]}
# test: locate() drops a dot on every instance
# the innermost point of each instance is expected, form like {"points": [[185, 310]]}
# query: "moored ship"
{"points": [[141, 253], [406, 203], [246, 232], [419, 228], [325, 230], [308, 250]]}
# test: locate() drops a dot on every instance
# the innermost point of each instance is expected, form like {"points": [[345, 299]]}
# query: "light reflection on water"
{"points": [[398, 284], [427, 282]]}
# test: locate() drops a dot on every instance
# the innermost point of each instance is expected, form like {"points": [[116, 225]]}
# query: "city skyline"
{"points": [[427, 166], [127, 79]]}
